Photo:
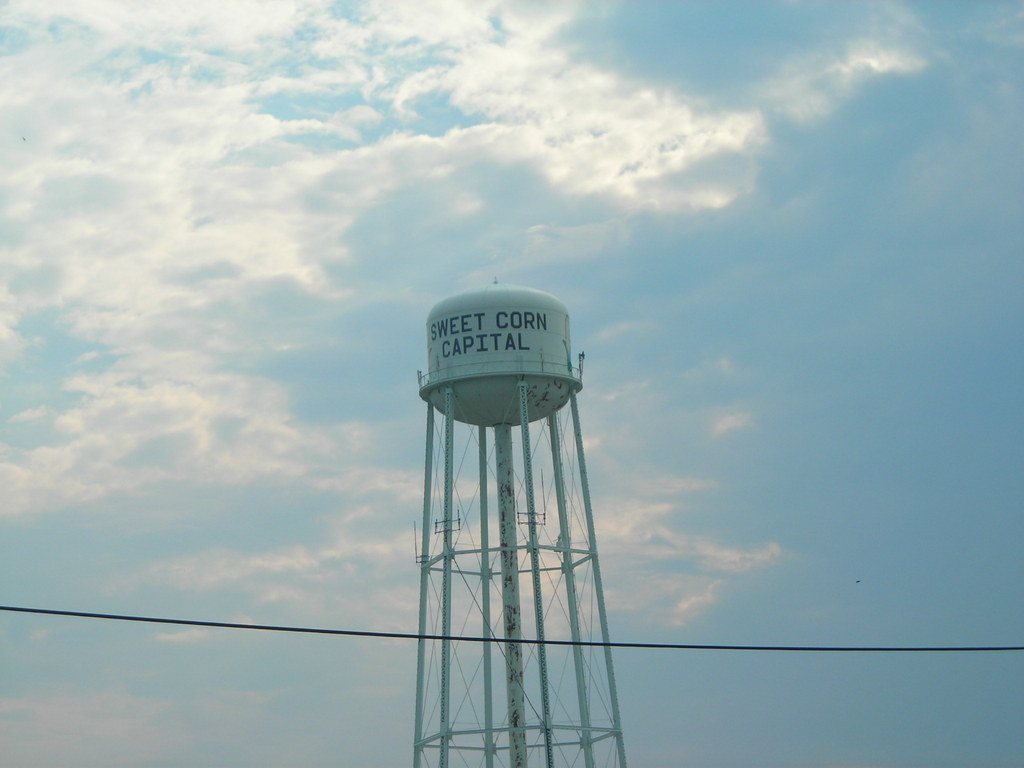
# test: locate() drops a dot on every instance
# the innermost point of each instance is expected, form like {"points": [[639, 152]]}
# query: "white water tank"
{"points": [[484, 342]]}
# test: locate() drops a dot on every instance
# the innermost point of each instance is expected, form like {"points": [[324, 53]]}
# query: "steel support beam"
{"points": [[598, 586], [424, 558], [571, 598]]}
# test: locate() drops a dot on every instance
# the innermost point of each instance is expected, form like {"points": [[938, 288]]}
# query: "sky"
{"points": [[789, 235]]}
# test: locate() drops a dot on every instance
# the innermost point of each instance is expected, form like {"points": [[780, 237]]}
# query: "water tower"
{"points": [[507, 549]]}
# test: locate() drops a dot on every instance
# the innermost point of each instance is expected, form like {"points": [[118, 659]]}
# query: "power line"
{"points": [[523, 641]]}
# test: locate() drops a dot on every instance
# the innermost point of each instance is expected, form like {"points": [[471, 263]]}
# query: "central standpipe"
{"points": [[511, 607]]}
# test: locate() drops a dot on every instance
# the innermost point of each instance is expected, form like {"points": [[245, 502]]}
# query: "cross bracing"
{"points": [[508, 552]]}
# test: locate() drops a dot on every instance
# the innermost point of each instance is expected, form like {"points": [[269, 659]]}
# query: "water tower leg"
{"points": [[598, 586], [424, 556], [571, 597], [510, 595], [446, 584]]}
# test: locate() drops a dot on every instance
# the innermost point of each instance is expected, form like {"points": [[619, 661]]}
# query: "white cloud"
{"points": [[726, 559], [627, 328], [713, 369], [812, 87], [49, 726], [647, 531], [587, 130], [730, 422], [1006, 26], [671, 574], [638, 389], [239, 25], [154, 169], [191, 635], [364, 581], [162, 197], [11, 343], [123, 435], [32, 414], [218, 568], [694, 602], [581, 242], [867, 57]]}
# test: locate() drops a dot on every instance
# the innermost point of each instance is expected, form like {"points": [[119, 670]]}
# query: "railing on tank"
{"points": [[500, 368]]}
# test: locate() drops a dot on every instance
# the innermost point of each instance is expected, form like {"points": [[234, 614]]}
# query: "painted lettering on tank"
{"points": [[453, 324], [455, 342], [484, 323]]}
